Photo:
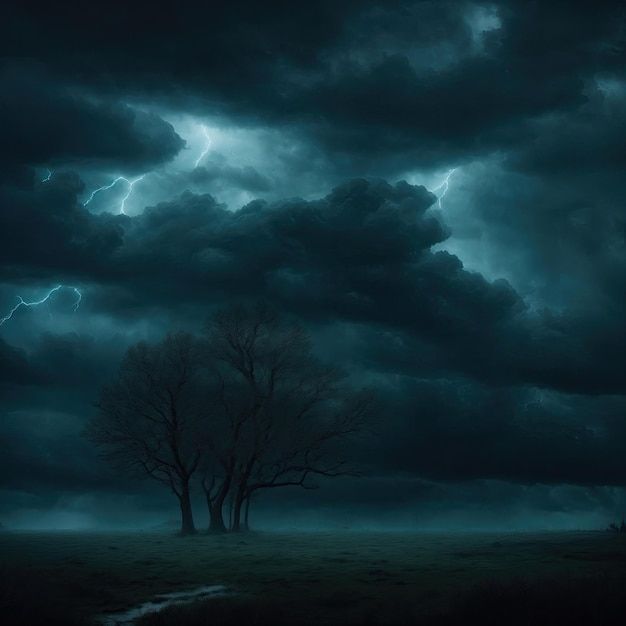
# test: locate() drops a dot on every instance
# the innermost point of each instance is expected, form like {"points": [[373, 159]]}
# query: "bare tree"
{"points": [[222, 437], [284, 412], [309, 439], [148, 418]]}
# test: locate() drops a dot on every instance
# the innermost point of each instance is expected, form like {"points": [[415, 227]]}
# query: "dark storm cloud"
{"points": [[559, 237], [77, 360], [575, 353], [47, 395], [588, 141], [44, 450], [456, 429], [445, 430], [225, 175], [45, 230], [536, 63], [353, 89], [442, 430], [15, 367], [45, 122], [362, 254], [372, 79], [56, 363]]}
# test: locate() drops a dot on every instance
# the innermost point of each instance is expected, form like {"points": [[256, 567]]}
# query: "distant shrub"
{"points": [[615, 528]]}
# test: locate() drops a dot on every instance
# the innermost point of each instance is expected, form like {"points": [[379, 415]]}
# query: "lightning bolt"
{"points": [[444, 187], [130, 183], [48, 177], [205, 131], [104, 188], [22, 303]]}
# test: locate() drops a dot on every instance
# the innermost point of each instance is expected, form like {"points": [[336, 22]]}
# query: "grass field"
{"points": [[338, 578]]}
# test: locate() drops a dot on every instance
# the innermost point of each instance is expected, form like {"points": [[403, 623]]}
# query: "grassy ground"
{"points": [[311, 578]]}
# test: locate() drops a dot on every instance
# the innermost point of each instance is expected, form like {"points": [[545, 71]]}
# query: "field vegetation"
{"points": [[318, 578]]}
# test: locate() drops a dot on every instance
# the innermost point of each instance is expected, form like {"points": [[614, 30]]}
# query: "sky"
{"points": [[434, 189]]}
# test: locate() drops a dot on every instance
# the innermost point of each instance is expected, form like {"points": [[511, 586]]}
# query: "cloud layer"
{"points": [[491, 321]]}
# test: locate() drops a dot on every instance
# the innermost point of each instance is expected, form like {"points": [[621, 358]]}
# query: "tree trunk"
{"points": [[216, 508], [246, 518], [236, 523], [216, 518], [187, 526]]}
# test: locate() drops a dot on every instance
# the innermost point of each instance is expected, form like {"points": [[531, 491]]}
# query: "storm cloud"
{"points": [[433, 189]]}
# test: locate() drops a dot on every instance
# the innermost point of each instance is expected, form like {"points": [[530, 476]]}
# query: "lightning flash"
{"points": [[48, 176], [445, 185], [205, 151], [23, 303], [129, 183]]}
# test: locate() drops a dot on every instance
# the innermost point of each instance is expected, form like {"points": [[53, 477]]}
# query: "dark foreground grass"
{"points": [[589, 602], [323, 578], [26, 598]]}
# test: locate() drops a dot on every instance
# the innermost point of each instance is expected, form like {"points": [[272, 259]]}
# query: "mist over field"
{"points": [[482, 506]]}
